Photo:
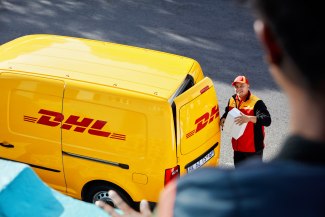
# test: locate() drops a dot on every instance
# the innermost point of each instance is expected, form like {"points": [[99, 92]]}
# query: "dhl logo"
{"points": [[204, 120], [93, 127]]}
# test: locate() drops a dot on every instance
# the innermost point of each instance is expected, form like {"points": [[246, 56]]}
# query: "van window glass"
{"points": [[187, 84]]}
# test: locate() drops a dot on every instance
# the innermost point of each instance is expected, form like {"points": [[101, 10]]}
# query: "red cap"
{"points": [[240, 79]]}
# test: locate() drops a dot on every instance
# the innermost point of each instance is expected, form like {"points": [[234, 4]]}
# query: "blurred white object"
{"points": [[230, 127]]}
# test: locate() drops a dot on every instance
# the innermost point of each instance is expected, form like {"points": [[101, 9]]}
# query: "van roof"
{"points": [[137, 69]]}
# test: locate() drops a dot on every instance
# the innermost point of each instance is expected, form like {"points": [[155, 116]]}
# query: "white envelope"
{"points": [[230, 127]]}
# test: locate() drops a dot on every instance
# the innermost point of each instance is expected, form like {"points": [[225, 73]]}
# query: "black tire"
{"points": [[100, 192]]}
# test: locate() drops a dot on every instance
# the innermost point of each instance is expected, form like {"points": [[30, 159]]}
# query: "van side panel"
{"points": [[27, 123], [81, 110], [116, 136]]}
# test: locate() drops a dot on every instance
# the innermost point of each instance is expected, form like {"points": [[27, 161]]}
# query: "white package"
{"points": [[230, 127]]}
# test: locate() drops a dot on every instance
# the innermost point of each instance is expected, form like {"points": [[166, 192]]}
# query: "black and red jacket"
{"points": [[252, 139]]}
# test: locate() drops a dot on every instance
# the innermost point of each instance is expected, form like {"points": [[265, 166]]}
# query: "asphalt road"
{"points": [[217, 33]]}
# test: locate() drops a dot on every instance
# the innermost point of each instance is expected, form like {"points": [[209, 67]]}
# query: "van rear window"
{"points": [[187, 84]]}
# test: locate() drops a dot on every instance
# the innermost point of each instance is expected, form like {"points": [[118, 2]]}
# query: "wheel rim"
{"points": [[103, 196]]}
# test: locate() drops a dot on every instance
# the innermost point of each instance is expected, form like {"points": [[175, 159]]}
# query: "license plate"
{"points": [[200, 162]]}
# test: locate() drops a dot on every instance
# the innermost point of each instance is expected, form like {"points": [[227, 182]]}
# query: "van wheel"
{"points": [[100, 192]]}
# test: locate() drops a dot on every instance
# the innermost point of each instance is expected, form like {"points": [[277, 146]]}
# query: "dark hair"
{"points": [[299, 27]]}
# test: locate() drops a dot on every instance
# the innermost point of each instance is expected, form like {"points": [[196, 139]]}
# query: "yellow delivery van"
{"points": [[89, 116]]}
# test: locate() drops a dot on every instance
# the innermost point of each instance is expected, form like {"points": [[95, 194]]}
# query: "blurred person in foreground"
{"points": [[293, 183], [254, 113]]}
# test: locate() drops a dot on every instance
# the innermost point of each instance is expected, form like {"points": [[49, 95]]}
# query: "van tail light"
{"points": [[204, 89], [171, 174]]}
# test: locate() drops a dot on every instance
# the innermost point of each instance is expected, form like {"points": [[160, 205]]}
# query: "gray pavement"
{"points": [[217, 33]]}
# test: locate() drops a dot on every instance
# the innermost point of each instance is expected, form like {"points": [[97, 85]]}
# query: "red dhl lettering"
{"points": [[75, 123], [204, 120]]}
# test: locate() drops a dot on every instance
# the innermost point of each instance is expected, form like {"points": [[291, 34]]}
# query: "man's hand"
{"points": [[124, 207], [222, 122], [244, 119]]}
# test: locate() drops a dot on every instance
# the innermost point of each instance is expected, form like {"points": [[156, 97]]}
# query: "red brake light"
{"points": [[204, 89], [171, 173]]}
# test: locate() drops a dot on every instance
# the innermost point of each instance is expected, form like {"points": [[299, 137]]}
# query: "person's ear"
{"points": [[265, 35]]}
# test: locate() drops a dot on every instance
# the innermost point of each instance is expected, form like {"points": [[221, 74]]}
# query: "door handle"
{"points": [[7, 145]]}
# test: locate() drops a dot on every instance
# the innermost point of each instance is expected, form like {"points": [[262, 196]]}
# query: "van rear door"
{"points": [[197, 126]]}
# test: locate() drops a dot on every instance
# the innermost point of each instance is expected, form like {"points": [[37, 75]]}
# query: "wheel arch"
{"points": [[92, 183]]}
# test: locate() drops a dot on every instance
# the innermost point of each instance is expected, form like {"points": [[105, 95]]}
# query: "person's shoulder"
{"points": [[276, 173], [208, 191], [204, 192], [251, 171], [250, 188], [221, 179], [259, 103], [205, 176], [255, 98]]}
